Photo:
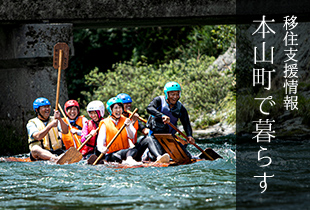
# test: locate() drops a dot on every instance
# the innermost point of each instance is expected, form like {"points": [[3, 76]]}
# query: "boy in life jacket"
{"points": [[43, 137], [126, 99], [144, 143], [95, 110], [72, 111], [166, 109]]}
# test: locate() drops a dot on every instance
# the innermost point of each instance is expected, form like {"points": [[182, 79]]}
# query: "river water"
{"points": [[289, 186], [43, 185]]}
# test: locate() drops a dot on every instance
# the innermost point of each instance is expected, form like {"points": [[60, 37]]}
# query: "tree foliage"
{"points": [[106, 46], [103, 48], [208, 40], [201, 90]]}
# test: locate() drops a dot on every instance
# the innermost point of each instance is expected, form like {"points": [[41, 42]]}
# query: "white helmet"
{"points": [[96, 106]]}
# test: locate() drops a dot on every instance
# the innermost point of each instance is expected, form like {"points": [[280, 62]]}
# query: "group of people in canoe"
{"points": [[50, 136]]}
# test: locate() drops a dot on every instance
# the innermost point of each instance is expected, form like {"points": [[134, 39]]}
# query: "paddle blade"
{"points": [[210, 152], [72, 155], [65, 56], [174, 150], [92, 159]]}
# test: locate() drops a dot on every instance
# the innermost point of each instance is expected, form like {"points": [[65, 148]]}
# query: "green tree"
{"points": [[202, 90], [208, 40], [104, 47]]}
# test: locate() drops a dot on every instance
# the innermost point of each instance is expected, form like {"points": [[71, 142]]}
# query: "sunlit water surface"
{"points": [[43, 185]]}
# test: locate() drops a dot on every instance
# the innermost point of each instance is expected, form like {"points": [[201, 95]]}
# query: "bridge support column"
{"points": [[26, 73]]}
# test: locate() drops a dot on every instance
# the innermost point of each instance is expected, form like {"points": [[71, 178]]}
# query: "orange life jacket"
{"points": [[68, 138], [121, 142], [90, 145]]}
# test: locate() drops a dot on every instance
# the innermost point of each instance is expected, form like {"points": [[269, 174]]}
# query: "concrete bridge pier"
{"points": [[26, 73]]}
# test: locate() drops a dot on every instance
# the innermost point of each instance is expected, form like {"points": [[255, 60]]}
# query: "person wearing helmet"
{"points": [[72, 111], [126, 99], [43, 137], [166, 109], [122, 148], [110, 126], [95, 110], [144, 143]]}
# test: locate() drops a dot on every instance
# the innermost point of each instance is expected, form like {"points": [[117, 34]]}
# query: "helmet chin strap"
{"points": [[114, 117], [170, 102], [170, 105], [126, 114], [45, 120]]}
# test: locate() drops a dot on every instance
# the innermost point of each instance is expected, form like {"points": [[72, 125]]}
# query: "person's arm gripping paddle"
{"points": [[75, 136], [111, 142]]}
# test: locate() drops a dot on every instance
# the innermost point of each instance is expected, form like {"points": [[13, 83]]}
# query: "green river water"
{"points": [[43, 185]]}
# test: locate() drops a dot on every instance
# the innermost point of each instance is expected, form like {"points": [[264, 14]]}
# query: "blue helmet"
{"points": [[171, 86], [125, 98], [40, 102], [113, 101]]}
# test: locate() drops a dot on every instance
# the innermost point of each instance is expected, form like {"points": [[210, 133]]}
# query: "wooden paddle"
{"points": [[73, 155], [201, 150], [145, 121], [76, 137], [140, 118], [116, 135], [60, 62], [213, 155]]}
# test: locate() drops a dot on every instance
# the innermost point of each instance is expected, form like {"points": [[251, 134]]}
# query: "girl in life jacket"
{"points": [[77, 122], [95, 110], [108, 129], [122, 149]]}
